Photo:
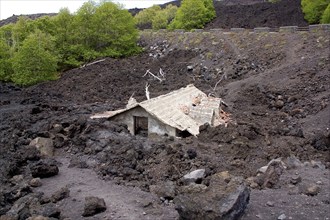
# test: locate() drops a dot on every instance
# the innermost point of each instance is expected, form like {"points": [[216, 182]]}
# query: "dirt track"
{"points": [[122, 202]]}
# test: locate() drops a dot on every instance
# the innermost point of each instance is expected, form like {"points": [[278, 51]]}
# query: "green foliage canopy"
{"points": [[32, 51], [326, 16], [157, 17], [5, 64], [314, 9], [193, 14], [35, 61], [146, 15]]}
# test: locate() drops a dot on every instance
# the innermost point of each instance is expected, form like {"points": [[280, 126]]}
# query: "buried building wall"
{"points": [[135, 119]]}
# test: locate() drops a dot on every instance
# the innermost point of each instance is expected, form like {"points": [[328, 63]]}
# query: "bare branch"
{"points": [[147, 91], [153, 75], [132, 95], [224, 76], [146, 73], [161, 72], [88, 64]]}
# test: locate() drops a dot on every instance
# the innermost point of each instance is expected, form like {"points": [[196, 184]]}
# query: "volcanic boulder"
{"points": [[222, 199], [44, 168], [93, 205]]}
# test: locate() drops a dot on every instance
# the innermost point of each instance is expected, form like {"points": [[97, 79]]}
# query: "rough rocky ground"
{"points": [[122, 202], [276, 86], [251, 14], [277, 89]]}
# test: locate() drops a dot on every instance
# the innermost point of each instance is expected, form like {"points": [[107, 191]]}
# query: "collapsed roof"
{"points": [[185, 109]]}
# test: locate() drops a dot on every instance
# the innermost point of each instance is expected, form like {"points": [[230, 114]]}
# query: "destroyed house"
{"points": [[179, 113]]}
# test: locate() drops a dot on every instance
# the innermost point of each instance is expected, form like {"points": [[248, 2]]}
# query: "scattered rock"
{"points": [[272, 175], [50, 210], [295, 179], [146, 203], [263, 169], [44, 168], [44, 145], [319, 183], [292, 162], [311, 190], [194, 176], [281, 217], [251, 181], [321, 141], [190, 68], [57, 128], [165, 190], [16, 179], [60, 194], [270, 204], [225, 176], [279, 104], [35, 182], [21, 208], [93, 205], [317, 164]]}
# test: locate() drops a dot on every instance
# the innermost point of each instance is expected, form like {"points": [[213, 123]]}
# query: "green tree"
{"points": [[116, 34], [146, 15], [210, 10], [20, 31], [84, 24], [6, 34], [45, 24], [35, 60], [170, 11], [5, 64], [160, 20], [313, 9], [326, 16], [66, 40], [193, 14], [157, 17]]}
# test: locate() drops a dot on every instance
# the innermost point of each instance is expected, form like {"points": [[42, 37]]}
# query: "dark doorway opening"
{"points": [[141, 126], [182, 134]]}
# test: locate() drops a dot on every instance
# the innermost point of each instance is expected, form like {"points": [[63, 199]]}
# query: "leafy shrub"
{"points": [[115, 31], [156, 17], [160, 21], [34, 50], [193, 14], [146, 15], [326, 16], [35, 61], [5, 64], [313, 10]]}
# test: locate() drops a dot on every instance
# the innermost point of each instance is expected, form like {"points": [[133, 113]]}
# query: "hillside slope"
{"points": [[264, 14], [234, 13], [276, 85]]}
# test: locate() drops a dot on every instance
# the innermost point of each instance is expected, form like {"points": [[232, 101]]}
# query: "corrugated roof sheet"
{"points": [[184, 109]]}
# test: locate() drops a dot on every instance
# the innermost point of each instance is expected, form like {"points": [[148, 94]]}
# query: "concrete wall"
{"points": [[154, 125], [288, 29]]}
